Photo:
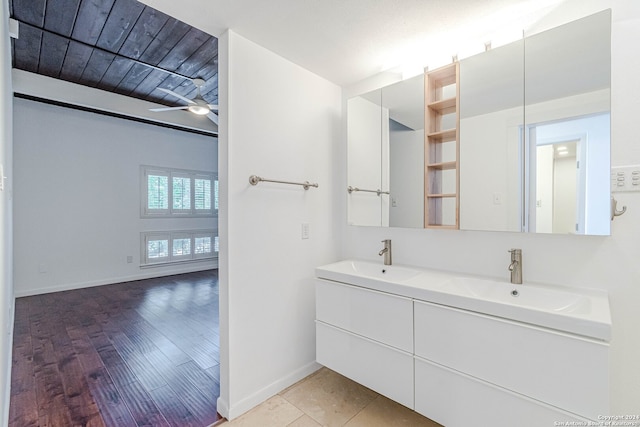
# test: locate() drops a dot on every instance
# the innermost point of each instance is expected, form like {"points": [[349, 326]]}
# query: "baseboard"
{"points": [[260, 396], [223, 407], [7, 386], [144, 274]]}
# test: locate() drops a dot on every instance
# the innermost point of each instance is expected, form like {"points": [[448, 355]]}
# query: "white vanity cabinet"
{"points": [[459, 367], [469, 360], [367, 336]]}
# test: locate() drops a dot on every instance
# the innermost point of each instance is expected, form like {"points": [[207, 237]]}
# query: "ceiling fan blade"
{"points": [[213, 107], [177, 95], [213, 117], [184, 107]]}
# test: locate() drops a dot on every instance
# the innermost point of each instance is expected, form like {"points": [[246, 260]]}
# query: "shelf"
{"points": [[441, 196], [445, 106], [445, 227], [442, 136], [442, 209], [443, 165]]}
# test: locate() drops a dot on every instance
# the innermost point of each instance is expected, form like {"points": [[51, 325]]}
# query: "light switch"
{"points": [[625, 178]]}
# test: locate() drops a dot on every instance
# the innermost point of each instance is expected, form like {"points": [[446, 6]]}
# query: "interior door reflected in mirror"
{"points": [[568, 189]]}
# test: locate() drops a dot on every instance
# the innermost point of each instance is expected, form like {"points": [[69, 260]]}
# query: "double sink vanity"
{"points": [[461, 349], [514, 139]]}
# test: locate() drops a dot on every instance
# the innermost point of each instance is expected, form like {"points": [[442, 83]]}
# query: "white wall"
{"points": [[544, 189], [6, 274], [277, 121], [77, 195], [609, 263], [564, 195]]}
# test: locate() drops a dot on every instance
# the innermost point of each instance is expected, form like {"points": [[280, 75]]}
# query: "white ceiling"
{"points": [[346, 41]]}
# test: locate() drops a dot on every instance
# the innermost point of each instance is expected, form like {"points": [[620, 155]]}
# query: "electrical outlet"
{"points": [[305, 230], [129, 259]]}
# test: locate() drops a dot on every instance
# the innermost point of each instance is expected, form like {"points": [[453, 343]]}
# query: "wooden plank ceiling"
{"points": [[102, 43]]}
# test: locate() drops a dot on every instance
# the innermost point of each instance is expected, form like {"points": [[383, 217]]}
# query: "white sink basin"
{"points": [[376, 271], [525, 296], [374, 275], [574, 310]]}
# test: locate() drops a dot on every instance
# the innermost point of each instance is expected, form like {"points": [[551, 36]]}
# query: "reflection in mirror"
{"points": [[491, 119], [364, 159], [385, 134], [569, 163], [404, 102], [567, 135], [514, 176], [518, 105]]}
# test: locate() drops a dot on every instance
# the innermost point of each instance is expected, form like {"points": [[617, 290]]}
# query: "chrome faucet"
{"points": [[516, 266], [386, 251]]}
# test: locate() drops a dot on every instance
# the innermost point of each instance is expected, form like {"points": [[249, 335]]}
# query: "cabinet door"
{"points": [[381, 368], [376, 315], [457, 400], [560, 369]]}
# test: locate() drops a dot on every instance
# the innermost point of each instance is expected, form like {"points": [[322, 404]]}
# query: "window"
{"points": [[181, 193], [202, 245], [158, 248], [170, 192], [178, 246]]}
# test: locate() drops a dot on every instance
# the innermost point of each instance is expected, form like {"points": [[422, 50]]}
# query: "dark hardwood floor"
{"points": [[141, 353]]}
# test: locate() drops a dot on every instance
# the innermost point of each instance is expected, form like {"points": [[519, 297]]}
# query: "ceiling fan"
{"points": [[197, 105]]}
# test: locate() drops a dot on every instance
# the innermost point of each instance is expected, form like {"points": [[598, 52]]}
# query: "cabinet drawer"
{"points": [[376, 315], [383, 369], [456, 400], [562, 370]]}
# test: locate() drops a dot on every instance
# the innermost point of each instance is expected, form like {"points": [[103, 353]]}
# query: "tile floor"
{"points": [[326, 398]]}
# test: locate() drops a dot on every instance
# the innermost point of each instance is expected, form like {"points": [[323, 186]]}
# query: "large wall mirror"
{"points": [[386, 155], [534, 138]]}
